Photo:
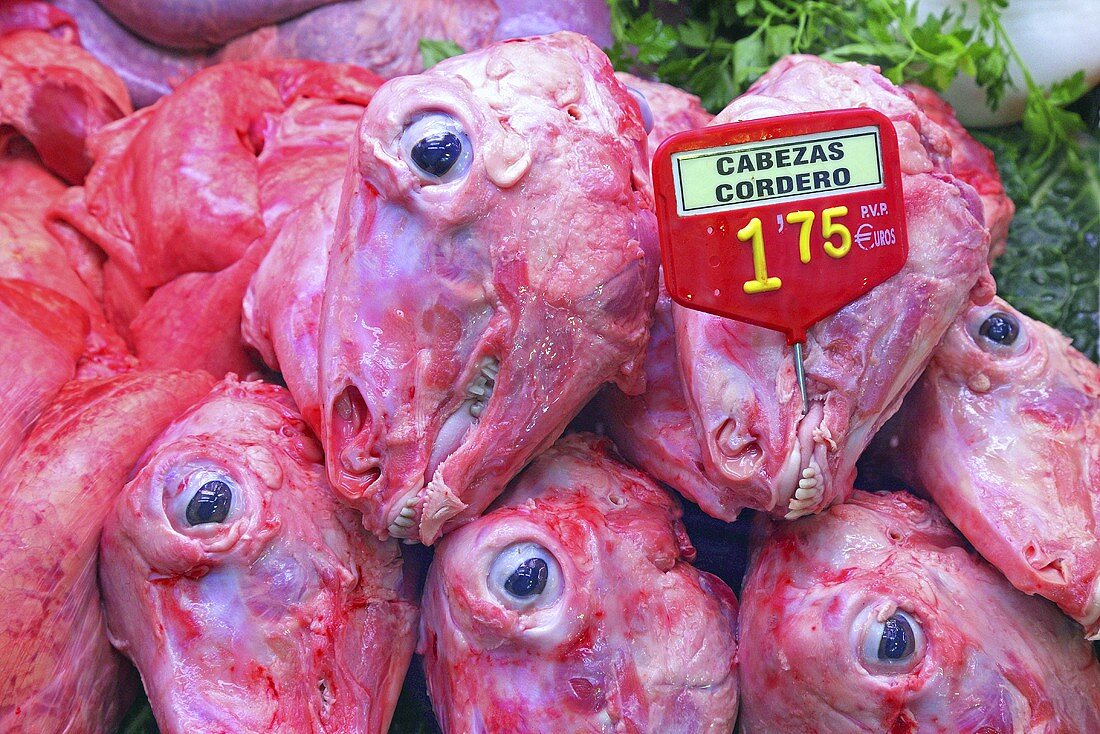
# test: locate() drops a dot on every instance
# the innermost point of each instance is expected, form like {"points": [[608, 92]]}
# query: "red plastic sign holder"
{"points": [[781, 221]]}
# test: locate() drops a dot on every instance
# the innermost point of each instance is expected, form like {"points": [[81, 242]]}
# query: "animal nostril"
{"points": [[1052, 570], [350, 421], [741, 453], [350, 412]]}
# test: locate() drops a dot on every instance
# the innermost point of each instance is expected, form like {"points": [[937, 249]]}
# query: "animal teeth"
{"points": [[404, 521], [490, 367], [399, 531], [481, 388], [408, 512], [808, 494]]}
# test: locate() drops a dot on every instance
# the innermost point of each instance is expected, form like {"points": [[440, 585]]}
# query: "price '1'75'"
{"points": [[830, 228]]}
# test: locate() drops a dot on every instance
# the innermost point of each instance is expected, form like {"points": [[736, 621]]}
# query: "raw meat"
{"points": [[201, 24], [248, 598], [57, 669], [52, 97], [667, 110], [187, 196], [470, 313], [42, 335], [149, 71], [1003, 432], [876, 617], [972, 162], [756, 449], [55, 94], [381, 36], [572, 606]]}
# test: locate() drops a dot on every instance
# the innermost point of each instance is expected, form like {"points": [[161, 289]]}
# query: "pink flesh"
{"points": [[186, 197], [60, 672], [42, 335], [287, 617], [672, 109], [654, 429], [972, 162], [30, 253], [303, 176], [33, 257], [738, 380], [541, 256], [637, 640], [993, 661], [1006, 440], [54, 95], [27, 15], [149, 71]]}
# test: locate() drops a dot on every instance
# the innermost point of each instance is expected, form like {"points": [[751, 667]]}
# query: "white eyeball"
{"points": [[998, 332], [643, 103], [524, 576], [893, 646], [207, 499]]}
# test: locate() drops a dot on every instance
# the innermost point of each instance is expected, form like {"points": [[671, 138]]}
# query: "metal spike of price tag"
{"points": [[781, 221]]}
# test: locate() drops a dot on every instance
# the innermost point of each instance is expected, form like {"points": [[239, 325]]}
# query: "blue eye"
{"points": [[525, 576], [893, 646], [436, 154], [897, 641], [529, 578], [210, 503], [436, 147], [1000, 328]]}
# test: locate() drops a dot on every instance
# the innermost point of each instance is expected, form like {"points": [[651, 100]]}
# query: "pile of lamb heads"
{"points": [[287, 316]]}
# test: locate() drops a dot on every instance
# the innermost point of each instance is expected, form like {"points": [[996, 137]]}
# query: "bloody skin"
{"points": [[470, 312], [1002, 432], [249, 599], [573, 607], [875, 616]]}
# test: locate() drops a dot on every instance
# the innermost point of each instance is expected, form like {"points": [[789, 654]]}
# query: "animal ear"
{"points": [[507, 159]]}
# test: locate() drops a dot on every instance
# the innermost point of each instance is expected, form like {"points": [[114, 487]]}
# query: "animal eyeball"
{"points": [[1000, 328], [643, 104], [436, 147], [893, 646], [524, 575], [210, 503], [529, 578]]}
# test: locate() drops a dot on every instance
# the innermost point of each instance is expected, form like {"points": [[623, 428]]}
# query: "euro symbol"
{"points": [[863, 234]]}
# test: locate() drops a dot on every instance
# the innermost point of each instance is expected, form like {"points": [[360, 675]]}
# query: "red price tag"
{"points": [[781, 221]]}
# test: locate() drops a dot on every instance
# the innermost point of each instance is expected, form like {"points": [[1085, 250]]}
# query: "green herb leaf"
{"points": [[432, 51]]}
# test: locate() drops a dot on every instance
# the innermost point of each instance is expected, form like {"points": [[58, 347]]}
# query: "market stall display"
{"points": [[443, 270]]}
